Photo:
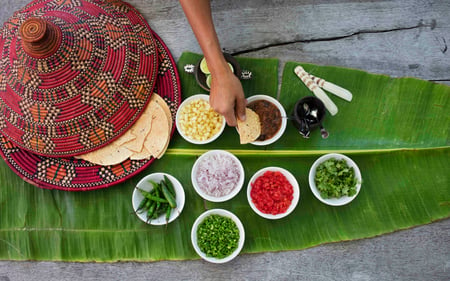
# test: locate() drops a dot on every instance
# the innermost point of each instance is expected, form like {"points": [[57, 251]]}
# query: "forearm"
{"points": [[198, 13], [226, 93]]}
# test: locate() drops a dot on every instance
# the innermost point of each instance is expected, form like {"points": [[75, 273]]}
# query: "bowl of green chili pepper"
{"points": [[335, 179], [158, 199], [218, 236]]}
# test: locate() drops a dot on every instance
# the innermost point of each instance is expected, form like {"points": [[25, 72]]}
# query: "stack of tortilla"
{"points": [[148, 137]]}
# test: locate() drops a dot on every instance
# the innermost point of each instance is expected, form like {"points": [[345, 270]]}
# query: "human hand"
{"points": [[227, 97]]}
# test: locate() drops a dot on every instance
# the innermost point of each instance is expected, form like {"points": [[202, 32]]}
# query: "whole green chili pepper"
{"points": [[151, 210], [169, 185], [152, 197], [154, 184], [169, 197], [168, 212], [142, 205]]}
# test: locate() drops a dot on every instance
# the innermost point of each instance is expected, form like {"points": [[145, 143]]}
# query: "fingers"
{"points": [[241, 103], [232, 112], [230, 118], [238, 112], [224, 107], [227, 98]]}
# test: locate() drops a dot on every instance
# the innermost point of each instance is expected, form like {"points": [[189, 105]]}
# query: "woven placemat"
{"points": [[74, 74], [76, 175]]}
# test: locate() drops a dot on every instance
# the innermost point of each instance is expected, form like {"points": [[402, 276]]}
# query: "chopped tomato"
{"points": [[272, 193]]}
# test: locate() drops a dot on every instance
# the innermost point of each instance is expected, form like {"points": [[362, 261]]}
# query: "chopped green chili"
{"points": [[217, 236]]}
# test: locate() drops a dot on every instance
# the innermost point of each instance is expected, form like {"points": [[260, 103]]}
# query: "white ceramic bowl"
{"points": [[224, 213], [283, 118], [147, 186], [210, 197], [334, 201], [180, 131], [289, 177]]}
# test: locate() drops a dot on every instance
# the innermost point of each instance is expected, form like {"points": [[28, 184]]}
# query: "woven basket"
{"points": [[44, 122], [70, 174], [74, 74]]}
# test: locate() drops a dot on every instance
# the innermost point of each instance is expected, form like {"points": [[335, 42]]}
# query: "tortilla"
{"points": [[250, 129], [148, 137], [108, 155], [158, 138], [127, 137], [158, 99], [143, 154]]}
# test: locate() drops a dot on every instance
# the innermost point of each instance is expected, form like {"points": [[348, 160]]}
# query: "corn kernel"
{"points": [[198, 121]]}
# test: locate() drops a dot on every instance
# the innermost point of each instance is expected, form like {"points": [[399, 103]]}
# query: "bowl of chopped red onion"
{"points": [[273, 193], [217, 175]]}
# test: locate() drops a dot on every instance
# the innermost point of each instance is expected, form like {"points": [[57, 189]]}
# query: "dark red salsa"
{"points": [[270, 118]]}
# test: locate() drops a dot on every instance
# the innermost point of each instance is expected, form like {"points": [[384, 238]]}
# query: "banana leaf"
{"points": [[385, 112], [405, 178]]}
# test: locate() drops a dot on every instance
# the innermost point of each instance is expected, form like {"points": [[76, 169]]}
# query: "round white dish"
{"points": [[147, 186], [180, 131], [334, 201], [280, 132], [208, 155], [290, 178], [224, 213]]}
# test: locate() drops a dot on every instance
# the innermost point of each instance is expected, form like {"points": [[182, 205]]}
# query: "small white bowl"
{"points": [[180, 131], [334, 201], [210, 197], [147, 186], [224, 213], [283, 118], [289, 177]]}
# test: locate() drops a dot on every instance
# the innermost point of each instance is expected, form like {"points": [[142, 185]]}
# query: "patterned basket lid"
{"points": [[74, 74], [71, 174]]}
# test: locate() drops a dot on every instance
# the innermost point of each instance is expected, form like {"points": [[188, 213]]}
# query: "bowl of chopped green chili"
{"points": [[335, 179], [218, 236]]}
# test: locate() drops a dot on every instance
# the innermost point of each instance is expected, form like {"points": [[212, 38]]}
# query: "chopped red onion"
{"points": [[218, 174]]}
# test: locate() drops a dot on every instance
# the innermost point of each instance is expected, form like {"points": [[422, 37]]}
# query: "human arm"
{"points": [[226, 93]]}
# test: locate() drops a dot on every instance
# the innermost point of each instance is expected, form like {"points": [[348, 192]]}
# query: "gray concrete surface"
{"points": [[420, 253], [397, 38]]}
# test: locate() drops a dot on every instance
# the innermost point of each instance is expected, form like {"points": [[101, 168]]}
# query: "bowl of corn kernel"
{"points": [[197, 122]]}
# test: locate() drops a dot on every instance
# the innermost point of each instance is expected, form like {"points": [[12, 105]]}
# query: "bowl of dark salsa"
{"points": [[272, 117]]}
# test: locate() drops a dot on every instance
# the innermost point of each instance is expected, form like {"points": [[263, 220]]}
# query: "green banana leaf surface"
{"points": [[395, 129]]}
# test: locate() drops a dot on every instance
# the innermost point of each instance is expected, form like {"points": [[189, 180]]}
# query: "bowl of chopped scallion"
{"points": [[335, 179], [218, 236]]}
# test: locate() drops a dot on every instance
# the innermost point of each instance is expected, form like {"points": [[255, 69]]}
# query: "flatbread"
{"points": [[159, 135], [127, 137], [158, 99], [143, 154], [108, 155], [148, 137], [250, 129]]}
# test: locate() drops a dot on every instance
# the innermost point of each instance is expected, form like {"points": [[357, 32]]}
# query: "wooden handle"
{"points": [[333, 88], [318, 92]]}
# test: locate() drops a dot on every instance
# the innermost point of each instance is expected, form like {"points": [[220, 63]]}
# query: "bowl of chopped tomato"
{"points": [[273, 192]]}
